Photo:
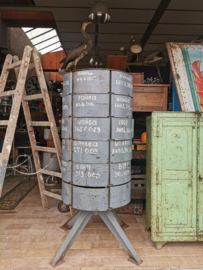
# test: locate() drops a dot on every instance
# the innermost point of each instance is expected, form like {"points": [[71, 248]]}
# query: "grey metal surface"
{"points": [[91, 151], [91, 81], [121, 106], [66, 149], [66, 170], [79, 224], [66, 128], [121, 83], [91, 128], [120, 151], [110, 220], [90, 175], [67, 84], [97, 136], [69, 224], [120, 195], [66, 196], [96, 175], [121, 128], [90, 199], [91, 105], [67, 105], [120, 173]]}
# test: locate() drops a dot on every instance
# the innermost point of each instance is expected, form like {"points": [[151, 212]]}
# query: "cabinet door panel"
{"points": [[175, 176], [200, 180]]}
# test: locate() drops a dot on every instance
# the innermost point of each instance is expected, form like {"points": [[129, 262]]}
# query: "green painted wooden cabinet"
{"points": [[174, 187]]}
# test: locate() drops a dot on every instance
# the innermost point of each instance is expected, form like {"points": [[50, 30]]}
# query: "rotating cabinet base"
{"points": [[96, 199]]}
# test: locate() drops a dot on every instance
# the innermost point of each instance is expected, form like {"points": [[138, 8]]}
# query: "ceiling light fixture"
{"points": [[135, 47], [99, 13]]}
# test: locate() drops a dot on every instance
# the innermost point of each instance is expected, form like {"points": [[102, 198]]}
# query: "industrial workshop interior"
{"points": [[101, 134]]}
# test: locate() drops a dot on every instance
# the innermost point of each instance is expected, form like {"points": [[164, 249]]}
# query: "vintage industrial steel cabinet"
{"points": [[174, 177], [97, 132]]}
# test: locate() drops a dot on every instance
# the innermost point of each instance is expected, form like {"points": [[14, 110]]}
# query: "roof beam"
{"points": [[28, 19], [154, 21]]}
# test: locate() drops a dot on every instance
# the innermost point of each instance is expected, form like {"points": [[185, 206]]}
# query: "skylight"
{"points": [[45, 40]]}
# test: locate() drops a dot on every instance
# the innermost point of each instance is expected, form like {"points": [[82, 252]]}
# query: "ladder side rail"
{"points": [[33, 144], [13, 118], [47, 104], [5, 72]]}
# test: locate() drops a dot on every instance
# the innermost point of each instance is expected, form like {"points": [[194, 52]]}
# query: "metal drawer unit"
{"points": [[97, 139], [96, 152]]}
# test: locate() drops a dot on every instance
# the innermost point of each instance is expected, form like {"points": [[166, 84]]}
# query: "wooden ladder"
{"points": [[21, 68]]}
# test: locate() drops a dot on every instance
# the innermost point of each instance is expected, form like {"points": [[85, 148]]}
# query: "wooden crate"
{"points": [[138, 78], [150, 97], [117, 62], [138, 154], [138, 186]]}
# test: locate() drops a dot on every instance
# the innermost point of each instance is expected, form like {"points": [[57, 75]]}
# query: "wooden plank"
{"points": [[52, 195], [33, 97], [4, 122], [39, 123], [138, 78], [45, 149], [143, 89], [13, 118], [138, 154], [118, 62], [28, 19], [48, 106], [14, 65], [31, 135], [17, 64], [7, 93], [57, 174], [180, 77], [137, 176], [31, 66], [51, 62], [5, 72]]}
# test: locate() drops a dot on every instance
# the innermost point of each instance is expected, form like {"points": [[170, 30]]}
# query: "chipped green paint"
{"points": [[174, 187]]}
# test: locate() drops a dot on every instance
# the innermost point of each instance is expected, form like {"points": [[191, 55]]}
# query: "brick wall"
{"points": [[15, 40]]}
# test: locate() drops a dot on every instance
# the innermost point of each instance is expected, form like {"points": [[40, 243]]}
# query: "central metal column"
{"points": [[97, 131]]}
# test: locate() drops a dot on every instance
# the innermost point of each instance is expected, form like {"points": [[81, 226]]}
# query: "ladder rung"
{"points": [[14, 65], [52, 195], [4, 122], [33, 97], [7, 93], [31, 65], [45, 149], [39, 123], [57, 174], [17, 64]]}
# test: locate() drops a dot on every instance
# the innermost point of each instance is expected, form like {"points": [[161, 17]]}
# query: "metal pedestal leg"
{"points": [[78, 222], [113, 225], [120, 221], [69, 224], [82, 220]]}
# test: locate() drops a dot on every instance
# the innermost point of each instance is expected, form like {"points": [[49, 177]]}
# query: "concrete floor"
{"points": [[30, 236]]}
